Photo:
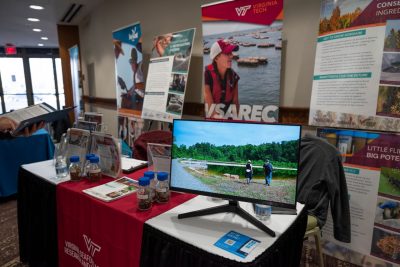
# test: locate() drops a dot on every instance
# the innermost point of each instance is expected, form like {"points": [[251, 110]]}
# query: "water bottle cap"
{"points": [[94, 159], [144, 181], [88, 156], [149, 174], [162, 176], [74, 159]]}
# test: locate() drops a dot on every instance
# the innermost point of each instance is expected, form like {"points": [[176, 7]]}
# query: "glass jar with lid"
{"points": [[152, 186], [74, 168], [143, 194], [162, 187], [93, 170]]}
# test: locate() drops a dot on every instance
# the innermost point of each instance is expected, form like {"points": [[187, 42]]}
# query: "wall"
{"points": [[159, 17]]}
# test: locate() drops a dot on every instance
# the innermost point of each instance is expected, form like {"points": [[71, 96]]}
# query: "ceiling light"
{"points": [[44, 38], [37, 30], [40, 44], [33, 19], [36, 7]]}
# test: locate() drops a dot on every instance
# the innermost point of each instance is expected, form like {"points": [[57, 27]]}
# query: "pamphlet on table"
{"points": [[113, 190], [237, 243]]}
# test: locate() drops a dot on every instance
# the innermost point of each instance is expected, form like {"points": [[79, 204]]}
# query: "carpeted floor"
{"points": [[9, 254]]}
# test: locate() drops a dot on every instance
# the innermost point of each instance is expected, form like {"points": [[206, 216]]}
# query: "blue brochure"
{"points": [[236, 243]]}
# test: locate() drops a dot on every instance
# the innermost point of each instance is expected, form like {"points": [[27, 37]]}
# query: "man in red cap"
{"points": [[220, 80]]}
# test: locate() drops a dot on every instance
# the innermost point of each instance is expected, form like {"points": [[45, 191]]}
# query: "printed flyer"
{"points": [[356, 81], [242, 59], [167, 76], [371, 163]]}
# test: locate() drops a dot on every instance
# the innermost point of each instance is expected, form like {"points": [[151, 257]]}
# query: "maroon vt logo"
{"points": [[91, 246], [241, 11]]}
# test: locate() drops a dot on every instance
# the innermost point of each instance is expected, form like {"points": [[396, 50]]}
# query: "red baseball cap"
{"points": [[222, 47]]}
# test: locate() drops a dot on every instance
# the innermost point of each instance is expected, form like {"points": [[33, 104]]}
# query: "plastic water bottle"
{"points": [[61, 167]]}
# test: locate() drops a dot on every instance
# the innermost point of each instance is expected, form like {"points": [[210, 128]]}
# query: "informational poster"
{"points": [[371, 163], [356, 81], [167, 76], [129, 82], [242, 59]]}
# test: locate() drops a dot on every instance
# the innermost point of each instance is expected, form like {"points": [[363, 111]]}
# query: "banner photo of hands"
{"points": [[168, 75], [242, 58], [356, 81], [128, 69], [129, 84]]}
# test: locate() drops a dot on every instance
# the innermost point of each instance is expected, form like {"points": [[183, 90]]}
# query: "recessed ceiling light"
{"points": [[36, 7], [40, 44], [37, 30], [33, 19], [44, 38]]}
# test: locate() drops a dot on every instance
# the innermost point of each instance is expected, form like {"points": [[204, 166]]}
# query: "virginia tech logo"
{"points": [[91, 246], [241, 11]]}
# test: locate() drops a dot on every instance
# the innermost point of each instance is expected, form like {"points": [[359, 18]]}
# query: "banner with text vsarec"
{"points": [[371, 164], [128, 54], [356, 81], [242, 42], [168, 75]]}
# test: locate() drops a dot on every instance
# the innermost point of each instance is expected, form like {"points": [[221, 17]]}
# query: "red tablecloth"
{"points": [[96, 233]]}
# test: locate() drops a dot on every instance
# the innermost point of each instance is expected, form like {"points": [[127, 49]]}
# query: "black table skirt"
{"points": [[162, 250], [37, 220]]}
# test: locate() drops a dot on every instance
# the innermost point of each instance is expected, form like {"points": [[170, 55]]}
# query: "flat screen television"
{"points": [[212, 158]]}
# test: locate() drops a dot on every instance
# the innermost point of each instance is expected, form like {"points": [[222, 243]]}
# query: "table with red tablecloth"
{"points": [[96, 233]]}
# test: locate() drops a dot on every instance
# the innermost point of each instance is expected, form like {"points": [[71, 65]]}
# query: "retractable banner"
{"points": [[168, 75], [356, 81], [242, 59], [130, 87], [371, 164]]}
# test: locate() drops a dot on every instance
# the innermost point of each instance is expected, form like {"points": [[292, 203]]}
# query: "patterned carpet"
{"points": [[9, 254]]}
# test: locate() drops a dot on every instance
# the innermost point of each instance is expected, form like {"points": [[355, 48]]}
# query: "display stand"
{"points": [[232, 206]]}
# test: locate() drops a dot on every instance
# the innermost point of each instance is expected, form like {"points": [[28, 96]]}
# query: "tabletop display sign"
{"points": [[236, 243], [242, 59], [77, 143], [86, 125], [128, 68], [106, 147], [371, 164], [168, 75], [356, 81]]}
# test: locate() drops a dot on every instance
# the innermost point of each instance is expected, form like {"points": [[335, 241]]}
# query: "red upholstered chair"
{"points": [[158, 137]]}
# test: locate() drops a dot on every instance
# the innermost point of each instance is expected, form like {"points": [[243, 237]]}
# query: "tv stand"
{"points": [[232, 206]]}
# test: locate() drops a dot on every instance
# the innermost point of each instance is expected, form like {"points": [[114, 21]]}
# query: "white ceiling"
{"points": [[17, 30]]}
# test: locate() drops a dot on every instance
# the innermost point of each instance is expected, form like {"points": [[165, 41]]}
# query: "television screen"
{"points": [[244, 161]]}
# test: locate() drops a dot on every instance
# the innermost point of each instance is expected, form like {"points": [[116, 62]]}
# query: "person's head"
{"points": [[249, 161], [133, 60], [221, 53], [267, 160]]}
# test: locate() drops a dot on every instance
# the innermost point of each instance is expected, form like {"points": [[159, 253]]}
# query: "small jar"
{"points": [[74, 168], [86, 165], [94, 171], [153, 183], [143, 194], [162, 188]]}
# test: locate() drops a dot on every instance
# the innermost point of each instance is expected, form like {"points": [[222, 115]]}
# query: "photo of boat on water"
{"points": [[257, 62]]}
